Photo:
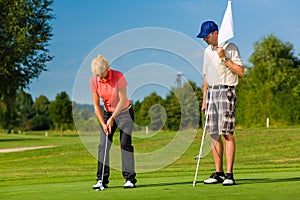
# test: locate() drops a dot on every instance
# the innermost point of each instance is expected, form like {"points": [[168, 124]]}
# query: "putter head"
{"points": [[197, 157], [100, 188]]}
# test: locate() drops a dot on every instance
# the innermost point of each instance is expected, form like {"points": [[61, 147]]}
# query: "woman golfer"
{"points": [[110, 86]]}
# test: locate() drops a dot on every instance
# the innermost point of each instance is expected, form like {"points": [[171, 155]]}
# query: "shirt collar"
{"points": [[109, 77], [213, 48]]}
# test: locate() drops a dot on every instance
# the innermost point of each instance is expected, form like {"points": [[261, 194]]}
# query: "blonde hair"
{"points": [[99, 65]]}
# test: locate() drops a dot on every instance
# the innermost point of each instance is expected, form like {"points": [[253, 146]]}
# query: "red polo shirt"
{"points": [[107, 89]]}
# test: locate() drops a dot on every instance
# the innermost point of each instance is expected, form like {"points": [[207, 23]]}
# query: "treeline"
{"points": [[25, 32], [40, 114], [179, 110], [270, 89]]}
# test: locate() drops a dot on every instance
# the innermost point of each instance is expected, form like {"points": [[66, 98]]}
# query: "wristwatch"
{"points": [[225, 59]]}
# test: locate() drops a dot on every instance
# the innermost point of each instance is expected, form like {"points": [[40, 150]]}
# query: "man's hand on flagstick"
{"points": [[221, 52], [235, 68]]}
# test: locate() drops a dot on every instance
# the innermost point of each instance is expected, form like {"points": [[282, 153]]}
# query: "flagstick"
{"points": [[200, 151], [203, 134]]}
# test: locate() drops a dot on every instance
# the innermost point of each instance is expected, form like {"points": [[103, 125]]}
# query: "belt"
{"points": [[126, 108], [217, 87]]}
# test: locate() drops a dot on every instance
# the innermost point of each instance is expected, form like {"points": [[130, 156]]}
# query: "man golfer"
{"points": [[221, 68]]}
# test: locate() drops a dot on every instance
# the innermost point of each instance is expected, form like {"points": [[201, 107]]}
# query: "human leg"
{"points": [[212, 128], [230, 152], [127, 152], [228, 131], [102, 150], [125, 123], [103, 167], [217, 151]]}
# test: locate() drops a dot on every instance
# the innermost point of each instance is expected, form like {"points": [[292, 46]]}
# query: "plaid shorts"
{"points": [[220, 110]]}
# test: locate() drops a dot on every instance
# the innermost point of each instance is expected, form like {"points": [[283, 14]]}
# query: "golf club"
{"points": [[103, 164]]}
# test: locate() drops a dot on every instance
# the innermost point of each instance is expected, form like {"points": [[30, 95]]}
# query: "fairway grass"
{"points": [[249, 186], [266, 167]]}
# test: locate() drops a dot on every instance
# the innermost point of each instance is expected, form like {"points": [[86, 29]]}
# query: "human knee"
{"points": [[229, 137], [127, 147]]}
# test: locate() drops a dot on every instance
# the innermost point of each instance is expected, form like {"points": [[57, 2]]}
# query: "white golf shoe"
{"points": [[214, 178], [129, 184], [229, 180], [99, 185]]}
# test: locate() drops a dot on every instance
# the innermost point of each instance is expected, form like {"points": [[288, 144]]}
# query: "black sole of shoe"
{"points": [[229, 184]]}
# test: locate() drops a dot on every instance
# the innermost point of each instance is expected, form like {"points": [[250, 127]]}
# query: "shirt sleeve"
{"points": [[121, 81], [93, 82], [235, 54], [204, 66]]}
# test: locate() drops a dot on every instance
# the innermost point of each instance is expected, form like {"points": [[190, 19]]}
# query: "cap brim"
{"points": [[202, 35]]}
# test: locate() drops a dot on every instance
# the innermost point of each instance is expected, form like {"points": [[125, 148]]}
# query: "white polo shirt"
{"points": [[215, 71]]}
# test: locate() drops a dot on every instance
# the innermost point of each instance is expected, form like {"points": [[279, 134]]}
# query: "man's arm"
{"points": [[205, 86], [235, 68]]}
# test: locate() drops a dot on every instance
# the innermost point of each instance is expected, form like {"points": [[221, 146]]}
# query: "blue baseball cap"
{"points": [[206, 28]]}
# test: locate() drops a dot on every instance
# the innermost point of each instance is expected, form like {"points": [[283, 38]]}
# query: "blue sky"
{"points": [[80, 26]]}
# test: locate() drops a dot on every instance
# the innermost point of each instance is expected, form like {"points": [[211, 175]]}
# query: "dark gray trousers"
{"points": [[125, 122]]}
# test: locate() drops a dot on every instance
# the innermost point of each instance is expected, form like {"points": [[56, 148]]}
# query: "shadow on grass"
{"points": [[165, 184], [18, 139], [157, 184], [266, 180], [238, 181]]}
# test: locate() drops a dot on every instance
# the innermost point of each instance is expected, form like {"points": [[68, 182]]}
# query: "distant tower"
{"points": [[178, 79]]}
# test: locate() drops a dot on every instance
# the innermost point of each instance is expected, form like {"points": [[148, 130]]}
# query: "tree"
{"points": [[41, 105], [25, 31], [40, 109], [180, 110], [61, 112], [271, 87], [24, 104], [173, 111], [151, 112], [183, 107], [40, 122], [137, 120], [192, 99]]}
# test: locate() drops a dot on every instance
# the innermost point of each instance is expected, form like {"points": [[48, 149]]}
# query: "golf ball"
{"points": [[100, 189]]}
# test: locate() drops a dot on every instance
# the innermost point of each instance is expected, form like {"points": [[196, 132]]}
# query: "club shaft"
{"points": [[104, 158]]}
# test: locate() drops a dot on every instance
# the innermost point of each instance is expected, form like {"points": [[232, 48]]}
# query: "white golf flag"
{"points": [[226, 29]]}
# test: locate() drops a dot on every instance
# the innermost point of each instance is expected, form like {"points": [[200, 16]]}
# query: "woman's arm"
{"points": [[122, 102], [98, 111]]}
